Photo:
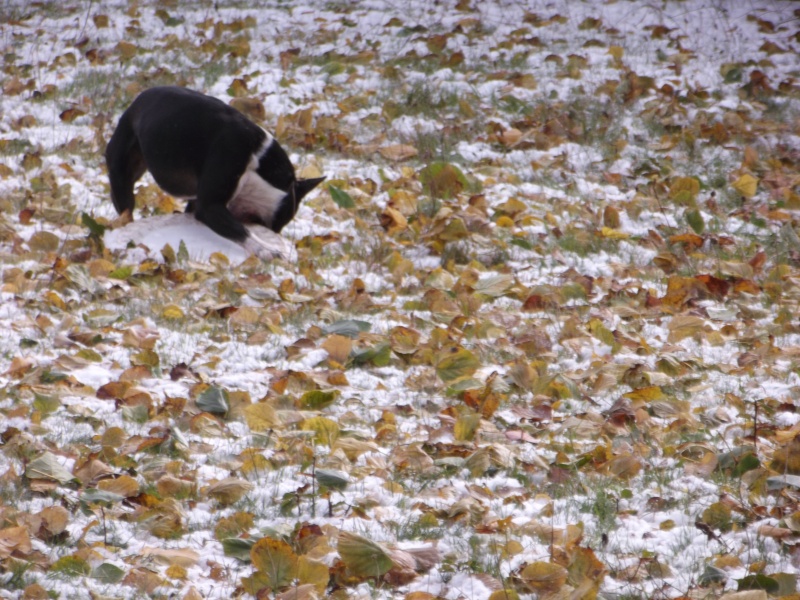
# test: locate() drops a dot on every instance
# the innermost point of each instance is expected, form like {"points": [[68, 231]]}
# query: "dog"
{"points": [[232, 172]]}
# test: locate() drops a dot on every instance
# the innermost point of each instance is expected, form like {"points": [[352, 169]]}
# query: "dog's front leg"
{"points": [[219, 180]]}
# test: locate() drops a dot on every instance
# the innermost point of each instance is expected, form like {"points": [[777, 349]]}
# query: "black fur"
{"points": [[199, 148]]}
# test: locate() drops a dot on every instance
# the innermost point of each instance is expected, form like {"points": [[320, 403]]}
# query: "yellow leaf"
{"points": [[276, 560], [746, 185], [172, 311], [260, 416], [613, 234], [506, 594], [403, 340], [684, 190], [393, 220], [616, 52], [55, 300], [646, 394], [326, 430], [313, 572], [465, 427]]}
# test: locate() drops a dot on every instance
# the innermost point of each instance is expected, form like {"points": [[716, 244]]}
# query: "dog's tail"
{"points": [[125, 164]]}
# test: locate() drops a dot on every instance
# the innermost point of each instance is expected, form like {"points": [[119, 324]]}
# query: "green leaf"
{"points": [[71, 566], [46, 404], [442, 180], [318, 399], [47, 466], [96, 496], [748, 462], [108, 573], [695, 220], [379, 355], [238, 548], [183, 252], [758, 582], [522, 243], [459, 363], [95, 228], [331, 479], [363, 557], [121, 272], [213, 400], [342, 198], [348, 328]]}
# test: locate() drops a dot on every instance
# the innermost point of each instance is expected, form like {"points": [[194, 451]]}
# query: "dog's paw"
{"points": [[265, 244]]}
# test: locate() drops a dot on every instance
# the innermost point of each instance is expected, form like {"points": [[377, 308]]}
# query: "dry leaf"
{"points": [[746, 185], [398, 152], [544, 578], [229, 490]]}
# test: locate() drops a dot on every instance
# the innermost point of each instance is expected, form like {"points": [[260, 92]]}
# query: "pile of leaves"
{"points": [[537, 336]]}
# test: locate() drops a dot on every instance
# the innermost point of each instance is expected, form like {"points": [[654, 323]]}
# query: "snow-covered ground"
{"points": [[544, 320]]}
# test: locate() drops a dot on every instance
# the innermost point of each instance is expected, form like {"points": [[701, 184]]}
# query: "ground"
{"points": [[535, 336]]}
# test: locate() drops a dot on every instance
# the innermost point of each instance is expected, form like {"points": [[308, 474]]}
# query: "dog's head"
{"points": [[275, 168]]}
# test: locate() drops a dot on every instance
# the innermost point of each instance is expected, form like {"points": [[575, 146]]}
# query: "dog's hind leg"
{"points": [[125, 164]]}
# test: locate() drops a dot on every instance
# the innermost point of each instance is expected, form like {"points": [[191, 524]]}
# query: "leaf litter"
{"points": [[536, 335]]}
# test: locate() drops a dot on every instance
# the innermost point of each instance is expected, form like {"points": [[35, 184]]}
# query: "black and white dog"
{"points": [[197, 147]]}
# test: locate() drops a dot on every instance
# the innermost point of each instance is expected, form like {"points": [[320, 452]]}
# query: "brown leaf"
{"points": [[124, 485], [229, 491], [393, 221], [69, 115], [185, 557], [398, 152], [54, 519], [544, 578], [14, 540], [251, 107], [338, 347]]}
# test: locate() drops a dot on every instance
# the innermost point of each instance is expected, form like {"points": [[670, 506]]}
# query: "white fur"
{"points": [[253, 195]]}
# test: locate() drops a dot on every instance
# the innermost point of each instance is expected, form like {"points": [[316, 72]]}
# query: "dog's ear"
{"points": [[303, 186]]}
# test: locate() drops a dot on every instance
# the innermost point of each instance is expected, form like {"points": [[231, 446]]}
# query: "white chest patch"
{"points": [[255, 199]]}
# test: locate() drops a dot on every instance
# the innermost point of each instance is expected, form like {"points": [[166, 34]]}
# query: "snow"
{"points": [[714, 32]]}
